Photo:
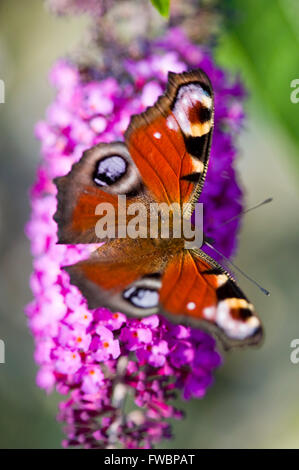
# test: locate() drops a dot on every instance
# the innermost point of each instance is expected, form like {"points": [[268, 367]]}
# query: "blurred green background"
{"points": [[254, 402]]}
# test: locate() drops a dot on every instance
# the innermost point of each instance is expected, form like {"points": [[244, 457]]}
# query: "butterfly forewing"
{"points": [[170, 141], [104, 172]]}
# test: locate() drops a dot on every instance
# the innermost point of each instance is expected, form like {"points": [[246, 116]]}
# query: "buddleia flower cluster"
{"points": [[119, 375]]}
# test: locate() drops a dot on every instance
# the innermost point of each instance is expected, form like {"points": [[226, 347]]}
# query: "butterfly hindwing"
{"points": [[123, 275], [196, 290], [189, 287]]}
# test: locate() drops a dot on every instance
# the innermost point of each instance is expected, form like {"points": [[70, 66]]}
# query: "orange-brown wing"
{"points": [[165, 159], [103, 173], [123, 275], [134, 277], [170, 141], [196, 290]]}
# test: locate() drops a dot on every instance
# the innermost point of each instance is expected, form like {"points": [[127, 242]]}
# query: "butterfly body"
{"points": [[162, 164]]}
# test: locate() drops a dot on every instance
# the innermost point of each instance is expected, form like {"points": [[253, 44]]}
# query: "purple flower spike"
{"points": [[97, 357]]}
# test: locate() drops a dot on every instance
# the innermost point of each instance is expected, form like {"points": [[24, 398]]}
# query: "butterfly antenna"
{"points": [[266, 201], [265, 291]]}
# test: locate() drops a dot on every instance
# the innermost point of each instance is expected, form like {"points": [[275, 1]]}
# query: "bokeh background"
{"points": [[254, 402]]}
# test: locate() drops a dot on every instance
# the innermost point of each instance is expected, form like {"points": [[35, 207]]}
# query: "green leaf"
{"points": [[261, 42], [162, 6]]}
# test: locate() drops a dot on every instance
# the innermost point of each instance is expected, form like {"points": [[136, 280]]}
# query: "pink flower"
{"points": [[109, 346], [155, 354], [113, 321], [92, 380], [136, 336], [74, 337], [66, 361]]}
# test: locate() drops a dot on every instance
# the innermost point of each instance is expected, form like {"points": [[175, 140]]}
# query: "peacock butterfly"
{"points": [[164, 159]]}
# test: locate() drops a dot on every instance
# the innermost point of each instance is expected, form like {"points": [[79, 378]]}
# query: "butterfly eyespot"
{"points": [[192, 109], [109, 170], [142, 297]]}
